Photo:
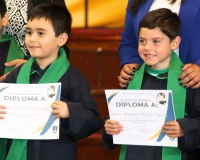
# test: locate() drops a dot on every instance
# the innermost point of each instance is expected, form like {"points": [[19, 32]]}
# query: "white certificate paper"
{"points": [[28, 111], [142, 114]]}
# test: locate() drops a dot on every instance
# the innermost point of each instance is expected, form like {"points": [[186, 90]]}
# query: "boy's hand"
{"points": [[173, 129], [190, 76], [112, 127], [126, 74], [60, 109], [2, 111]]}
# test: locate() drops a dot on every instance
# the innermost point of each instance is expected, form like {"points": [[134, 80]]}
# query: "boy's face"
{"points": [[155, 48], [41, 41]]}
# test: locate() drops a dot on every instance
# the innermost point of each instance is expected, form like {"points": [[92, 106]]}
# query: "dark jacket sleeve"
{"points": [[84, 117], [107, 140], [191, 124]]}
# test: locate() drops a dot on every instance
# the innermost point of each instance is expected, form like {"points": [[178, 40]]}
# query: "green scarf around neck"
{"points": [[179, 95], [14, 51], [56, 70]]}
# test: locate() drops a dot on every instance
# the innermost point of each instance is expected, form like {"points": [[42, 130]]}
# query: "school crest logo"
{"points": [[51, 91], [55, 128], [161, 98]]}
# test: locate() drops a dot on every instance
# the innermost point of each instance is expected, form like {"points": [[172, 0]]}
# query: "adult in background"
{"points": [[189, 13], [18, 13]]}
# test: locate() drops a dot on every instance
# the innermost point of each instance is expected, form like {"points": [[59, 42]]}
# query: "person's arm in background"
{"points": [[190, 76], [128, 50], [191, 72], [18, 62], [15, 63]]}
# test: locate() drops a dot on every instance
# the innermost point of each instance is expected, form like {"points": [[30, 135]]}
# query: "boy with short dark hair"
{"points": [[8, 47], [47, 31], [158, 37]]}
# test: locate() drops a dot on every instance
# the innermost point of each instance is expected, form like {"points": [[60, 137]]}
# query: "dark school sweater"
{"points": [[190, 127], [83, 121]]}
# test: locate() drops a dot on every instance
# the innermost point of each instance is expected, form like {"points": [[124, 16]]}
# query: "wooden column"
{"points": [[95, 53]]}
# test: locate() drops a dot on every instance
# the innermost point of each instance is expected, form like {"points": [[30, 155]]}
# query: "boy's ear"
{"points": [[5, 19], [176, 42], [62, 39]]}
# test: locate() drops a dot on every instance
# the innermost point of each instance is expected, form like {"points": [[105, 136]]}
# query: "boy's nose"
{"points": [[32, 38], [147, 46]]}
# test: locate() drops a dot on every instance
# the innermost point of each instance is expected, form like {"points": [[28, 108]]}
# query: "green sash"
{"points": [[14, 51], [55, 71], [179, 94]]}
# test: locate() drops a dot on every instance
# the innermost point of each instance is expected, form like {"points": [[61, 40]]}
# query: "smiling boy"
{"points": [[155, 47], [47, 32], [158, 37]]}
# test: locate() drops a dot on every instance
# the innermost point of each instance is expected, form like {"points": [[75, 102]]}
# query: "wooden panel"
{"points": [[88, 64], [91, 149], [95, 53]]}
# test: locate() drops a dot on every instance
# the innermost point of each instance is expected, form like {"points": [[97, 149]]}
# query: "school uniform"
{"points": [[190, 127], [83, 120]]}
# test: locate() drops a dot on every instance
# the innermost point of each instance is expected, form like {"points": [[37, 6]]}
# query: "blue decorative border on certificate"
{"points": [[110, 97], [169, 117], [50, 120], [51, 117], [3, 88]]}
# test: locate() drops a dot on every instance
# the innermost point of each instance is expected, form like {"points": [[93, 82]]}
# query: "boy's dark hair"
{"points": [[57, 14], [3, 8], [163, 18]]}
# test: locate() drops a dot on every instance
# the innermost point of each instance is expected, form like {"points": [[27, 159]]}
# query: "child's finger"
{"points": [[2, 107], [56, 116], [113, 131], [2, 111], [54, 105], [56, 112]]}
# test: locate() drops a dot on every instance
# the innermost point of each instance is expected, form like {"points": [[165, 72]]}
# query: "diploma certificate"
{"points": [[28, 111], [142, 114]]}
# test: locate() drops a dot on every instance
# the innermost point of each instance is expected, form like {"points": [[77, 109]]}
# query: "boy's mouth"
{"points": [[149, 55], [32, 47]]}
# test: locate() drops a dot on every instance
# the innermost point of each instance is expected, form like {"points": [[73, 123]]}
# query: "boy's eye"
{"points": [[142, 41], [28, 32], [156, 41], [40, 33]]}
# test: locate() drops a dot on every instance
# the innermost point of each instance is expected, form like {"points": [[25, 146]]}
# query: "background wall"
{"points": [[93, 43], [95, 53], [101, 13]]}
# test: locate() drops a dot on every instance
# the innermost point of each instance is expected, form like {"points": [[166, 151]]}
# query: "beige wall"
{"points": [[101, 13]]}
